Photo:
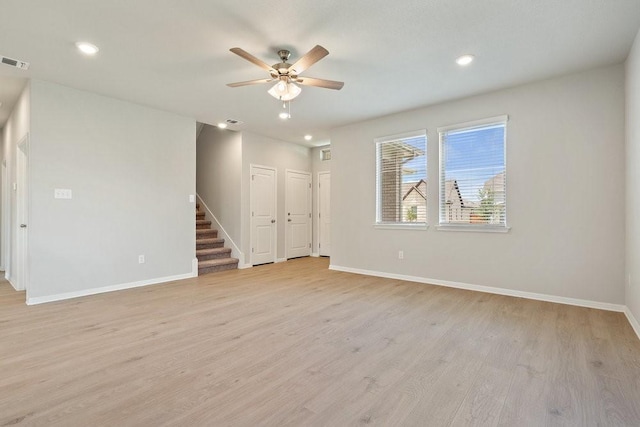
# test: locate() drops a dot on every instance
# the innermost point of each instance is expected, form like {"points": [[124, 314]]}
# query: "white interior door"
{"points": [[298, 209], [263, 215], [22, 197], [324, 213]]}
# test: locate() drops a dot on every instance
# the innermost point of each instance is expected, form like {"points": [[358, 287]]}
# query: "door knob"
{"points": [[23, 225], [273, 221], [289, 220]]}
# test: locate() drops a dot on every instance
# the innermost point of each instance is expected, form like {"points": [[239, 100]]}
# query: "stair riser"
{"points": [[203, 226], [214, 256], [206, 270], [206, 234], [200, 215], [209, 245]]}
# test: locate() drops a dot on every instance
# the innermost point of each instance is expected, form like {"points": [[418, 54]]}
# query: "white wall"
{"points": [[261, 150], [565, 203], [219, 177], [131, 170], [633, 180], [317, 165], [16, 128]]}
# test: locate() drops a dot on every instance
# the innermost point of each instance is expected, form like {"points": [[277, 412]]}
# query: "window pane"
{"points": [[402, 180], [472, 181]]}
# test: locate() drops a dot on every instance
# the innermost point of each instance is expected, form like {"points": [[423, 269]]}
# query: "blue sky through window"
{"points": [[472, 157]]}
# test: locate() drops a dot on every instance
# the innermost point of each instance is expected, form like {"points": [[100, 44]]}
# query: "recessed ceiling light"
{"points": [[87, 48], [284, 115], [465, 60], [308, 137], [222, 125]]}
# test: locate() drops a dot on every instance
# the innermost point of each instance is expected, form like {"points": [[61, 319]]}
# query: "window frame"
{"points": [[378, 213], [470, 125]]}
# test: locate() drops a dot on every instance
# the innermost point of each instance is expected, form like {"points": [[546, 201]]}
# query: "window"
{"points": [[473, 175], [401, 179]]}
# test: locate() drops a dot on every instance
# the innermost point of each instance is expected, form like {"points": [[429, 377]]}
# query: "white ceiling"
{"points": [[392, 56]]}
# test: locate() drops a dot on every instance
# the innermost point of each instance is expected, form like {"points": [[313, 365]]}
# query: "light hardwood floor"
{"points": [[297, 344]]}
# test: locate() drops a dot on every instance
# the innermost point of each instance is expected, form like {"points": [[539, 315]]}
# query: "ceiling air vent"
{"points": [[234, 122], [14, 63]]}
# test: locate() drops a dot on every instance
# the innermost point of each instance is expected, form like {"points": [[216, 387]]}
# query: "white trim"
{"points": [[111, 288], [405, 135], [487, 289], [10, 280], [633, 321], [315, 255], [401, 226], [473, 228], [280, 260], [235, 250], [194, 267], [474, 123]]}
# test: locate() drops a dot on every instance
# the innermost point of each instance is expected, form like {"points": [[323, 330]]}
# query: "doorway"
{"points": [[324, 213], [298, 214], [263, 195]]}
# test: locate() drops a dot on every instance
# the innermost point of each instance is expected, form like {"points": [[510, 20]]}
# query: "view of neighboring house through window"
{"points": [[401, 179], [473, 174]]}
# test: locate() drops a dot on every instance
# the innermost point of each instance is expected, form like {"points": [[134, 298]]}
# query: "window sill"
{"points": [[474, 228], [401, 226]]}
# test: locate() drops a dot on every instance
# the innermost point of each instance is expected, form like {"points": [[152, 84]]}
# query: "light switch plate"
{"points": [[62, 193], [192, 198]]}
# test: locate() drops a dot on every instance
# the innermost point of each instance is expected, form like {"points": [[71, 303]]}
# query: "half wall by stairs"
{"points": [[210, 251]]}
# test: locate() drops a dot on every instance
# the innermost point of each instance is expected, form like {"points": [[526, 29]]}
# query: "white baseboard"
{"points": [[111, 288], [235, 250], [280, 260], [243, 266], [634, 322], [487, 289], [315, 255]]}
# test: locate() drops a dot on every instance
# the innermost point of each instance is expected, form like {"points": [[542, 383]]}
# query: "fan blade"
{"points": [[249, 82], [328, 84], [246, 55], [313, 56]]}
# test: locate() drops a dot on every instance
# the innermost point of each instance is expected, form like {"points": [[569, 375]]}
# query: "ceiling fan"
{"points": [[286, 75]]}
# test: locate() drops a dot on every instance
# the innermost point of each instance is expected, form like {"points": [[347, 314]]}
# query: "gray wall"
{"points": [[219, 177], [261, 150], [565, 178], [131, 170], [633, 181]]}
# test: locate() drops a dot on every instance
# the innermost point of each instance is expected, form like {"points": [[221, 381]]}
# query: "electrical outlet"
{"points": [[140, 259], [400, 254]]}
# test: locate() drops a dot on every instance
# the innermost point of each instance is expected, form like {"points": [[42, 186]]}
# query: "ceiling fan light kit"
{"points": [[287, 75], [284, 91]]}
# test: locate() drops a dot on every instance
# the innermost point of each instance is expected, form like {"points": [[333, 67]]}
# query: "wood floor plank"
{"points": [[297, 344]]}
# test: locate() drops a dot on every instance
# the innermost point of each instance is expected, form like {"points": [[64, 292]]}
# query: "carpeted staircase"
{"points": [[210, 251]]}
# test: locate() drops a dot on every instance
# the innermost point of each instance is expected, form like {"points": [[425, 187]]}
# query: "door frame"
{"points": [[318, 216], [286, 208], [5, 229], [22, 214], [251, 210]]}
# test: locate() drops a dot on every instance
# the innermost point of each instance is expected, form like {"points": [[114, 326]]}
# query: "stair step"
{"points": [[200, 215], [202, 224], [213, 253], [214, 265], [209, 243], [197, 206], [206, 234]]}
